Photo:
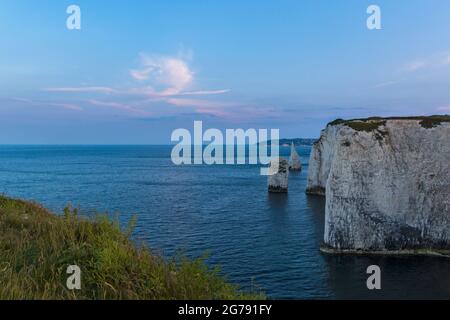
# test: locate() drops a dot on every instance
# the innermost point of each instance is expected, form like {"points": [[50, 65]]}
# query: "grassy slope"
{"points": [[36, 247]]}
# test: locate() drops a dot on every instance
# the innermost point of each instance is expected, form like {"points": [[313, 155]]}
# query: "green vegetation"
{"points": [[373, 123], [36, 247], [434, 121], [367, 126]]}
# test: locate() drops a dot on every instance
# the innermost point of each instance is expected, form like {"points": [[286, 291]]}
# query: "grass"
{"points": [[373, 123], [36, 247]]}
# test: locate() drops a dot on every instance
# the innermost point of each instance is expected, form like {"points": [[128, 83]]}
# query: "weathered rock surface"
{"points": [[295, 164], [278, 178], [386, 182]]}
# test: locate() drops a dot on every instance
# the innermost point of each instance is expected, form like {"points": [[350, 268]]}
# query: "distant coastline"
{"points": [[297, 142]]}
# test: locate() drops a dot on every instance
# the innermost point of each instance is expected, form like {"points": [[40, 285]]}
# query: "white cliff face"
{"points": [[320, 161], [386, 189]]}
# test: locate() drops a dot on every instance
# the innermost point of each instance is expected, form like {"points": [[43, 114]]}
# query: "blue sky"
{"points": [[137, 70]]}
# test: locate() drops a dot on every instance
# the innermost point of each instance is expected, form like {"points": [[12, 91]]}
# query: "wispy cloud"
{"points": [[415, 65], [205, 92], [120, 106], [22, 100], [171, 92], [82, 89], [386, 84], [434, 61], [159, 79], [198, 103], [68, 106]]}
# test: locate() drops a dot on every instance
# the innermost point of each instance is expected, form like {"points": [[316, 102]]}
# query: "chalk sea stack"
{"points": [[295, 164], [386, 183], [278, 178]]}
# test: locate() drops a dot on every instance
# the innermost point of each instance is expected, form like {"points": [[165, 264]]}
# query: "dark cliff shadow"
{"points": [[402, 277], [316, 204]]}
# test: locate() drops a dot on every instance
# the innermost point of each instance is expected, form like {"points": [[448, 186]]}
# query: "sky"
{"points": [[137, 70]]}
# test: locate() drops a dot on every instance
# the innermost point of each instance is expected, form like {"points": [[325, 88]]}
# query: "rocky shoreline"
{"points": [[429, 253]]}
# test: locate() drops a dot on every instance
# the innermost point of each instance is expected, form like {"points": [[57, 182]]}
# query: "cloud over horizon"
{"points": [[172, 73], [158, 79]]}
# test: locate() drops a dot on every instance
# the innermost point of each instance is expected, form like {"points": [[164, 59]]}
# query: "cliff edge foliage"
{"points": [[373, 123], [36, 247]]}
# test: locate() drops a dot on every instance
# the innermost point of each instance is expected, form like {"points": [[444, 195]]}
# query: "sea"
{"points": [[261, 241]]}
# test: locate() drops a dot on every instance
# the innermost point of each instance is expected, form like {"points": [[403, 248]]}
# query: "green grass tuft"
{"points": [[373, 123], [367, 126], [36, 247]]}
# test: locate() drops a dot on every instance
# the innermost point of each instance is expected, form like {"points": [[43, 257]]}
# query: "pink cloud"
{"points": [[445, 109]]}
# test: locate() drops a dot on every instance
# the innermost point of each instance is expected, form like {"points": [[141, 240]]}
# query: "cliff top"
{"points": [[373, 123]]}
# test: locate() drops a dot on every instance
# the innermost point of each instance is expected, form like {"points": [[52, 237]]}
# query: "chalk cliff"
{"points": [[386, 182]]}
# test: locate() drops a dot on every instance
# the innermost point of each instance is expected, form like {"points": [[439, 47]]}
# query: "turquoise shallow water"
{"points": [[268, 241]]}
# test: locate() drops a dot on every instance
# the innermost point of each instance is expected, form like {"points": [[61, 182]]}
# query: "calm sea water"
{"points": [[260, 240]]}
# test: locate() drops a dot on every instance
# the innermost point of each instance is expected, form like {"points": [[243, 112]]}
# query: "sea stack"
{"points": [[295, 164], [386, 183], [278, 176]]}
